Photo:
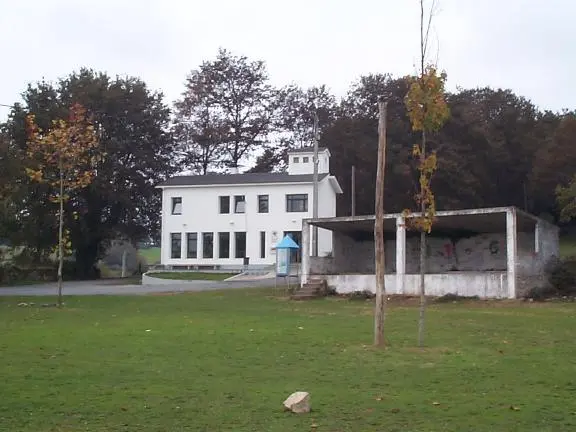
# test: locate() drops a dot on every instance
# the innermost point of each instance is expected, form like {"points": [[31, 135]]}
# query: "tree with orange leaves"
{"points": [[428, 111], [65, 158]]}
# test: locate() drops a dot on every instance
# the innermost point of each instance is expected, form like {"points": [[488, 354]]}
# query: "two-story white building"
{"points": [[220, 219]]}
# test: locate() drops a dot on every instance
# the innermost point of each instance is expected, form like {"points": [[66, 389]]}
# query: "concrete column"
{"points": [[400, 254], [305, 264], [511, 251]]}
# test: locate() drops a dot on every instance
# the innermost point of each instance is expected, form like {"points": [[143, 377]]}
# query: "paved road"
{"points": [[107, 287]]}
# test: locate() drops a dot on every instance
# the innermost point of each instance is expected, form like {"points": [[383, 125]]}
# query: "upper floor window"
{"points": [[224, 204], [176, 205], [305, 159], [297, 203], [239, 204], [263, 206], [296, 159]]}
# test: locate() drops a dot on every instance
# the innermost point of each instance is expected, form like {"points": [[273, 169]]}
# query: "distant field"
{"points": [[151, 255]]}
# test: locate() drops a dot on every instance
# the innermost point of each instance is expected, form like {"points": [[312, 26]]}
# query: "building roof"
{"points": [[240, 179], [307, 150]]}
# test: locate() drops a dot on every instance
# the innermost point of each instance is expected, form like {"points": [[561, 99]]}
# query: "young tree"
{"points": [[63, 157], [566, 198], [428, 111], [240, 100]]}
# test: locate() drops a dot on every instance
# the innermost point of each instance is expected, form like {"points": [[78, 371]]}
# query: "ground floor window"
{"points": [[207, 245], [175, 245], [224, 245], [240, 241], [262, 244], [297, 237], [191, 245]]}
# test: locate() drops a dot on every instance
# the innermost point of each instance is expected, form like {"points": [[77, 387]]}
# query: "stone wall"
{"points": [[484, 252]]}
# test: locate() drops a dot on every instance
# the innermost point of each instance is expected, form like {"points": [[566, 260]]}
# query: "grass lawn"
{"points": [[225, 361], [192, 276], [152, 255]]}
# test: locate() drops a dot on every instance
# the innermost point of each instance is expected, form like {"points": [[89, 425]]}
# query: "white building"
{"points": [[220, 219]]}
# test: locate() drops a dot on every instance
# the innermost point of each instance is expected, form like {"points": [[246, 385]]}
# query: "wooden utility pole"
{"points": [[380, 264], [353, 197], [315, 188]]}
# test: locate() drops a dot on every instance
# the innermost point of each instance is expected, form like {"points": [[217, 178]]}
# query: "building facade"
{"points": [[222, 219]]}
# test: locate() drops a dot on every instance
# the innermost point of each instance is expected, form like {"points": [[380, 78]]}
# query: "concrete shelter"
{"points": [[491, 253]]}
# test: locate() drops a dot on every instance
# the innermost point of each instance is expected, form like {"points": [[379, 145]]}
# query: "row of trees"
{"points": [[496, 148]]}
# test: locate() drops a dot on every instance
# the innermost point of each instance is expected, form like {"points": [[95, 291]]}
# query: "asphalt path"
{"points": [[112, 287]]}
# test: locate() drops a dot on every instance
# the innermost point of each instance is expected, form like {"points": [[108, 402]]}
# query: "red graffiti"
{"points": [[448, 250]]}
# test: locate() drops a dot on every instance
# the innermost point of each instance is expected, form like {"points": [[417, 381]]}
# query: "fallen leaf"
{"points": [[300, 328], [514, 408], [395, 410], [436, 403], [148, 330], [313, 425]]}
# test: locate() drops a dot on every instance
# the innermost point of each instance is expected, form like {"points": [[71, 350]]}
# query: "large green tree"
{"points": [[133, 128]]}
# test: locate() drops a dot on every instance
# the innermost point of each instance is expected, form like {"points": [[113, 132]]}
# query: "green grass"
{"points": [[225, 361], [192, 276], [151, 255]]}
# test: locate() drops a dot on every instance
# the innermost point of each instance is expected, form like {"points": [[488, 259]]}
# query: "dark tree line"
{"points": [[497, 148]]}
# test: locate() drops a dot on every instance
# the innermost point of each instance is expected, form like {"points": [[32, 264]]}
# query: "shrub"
{"points": [[361, 295], [451, 297], [562, 276], [541, 293]]}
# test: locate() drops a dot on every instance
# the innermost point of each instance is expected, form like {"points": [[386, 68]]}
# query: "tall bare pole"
{"points": [[353, 198], [380, 263], [315, 190]]}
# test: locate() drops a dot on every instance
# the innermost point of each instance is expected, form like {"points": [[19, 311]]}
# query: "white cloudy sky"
{"points": [[526, 45]]}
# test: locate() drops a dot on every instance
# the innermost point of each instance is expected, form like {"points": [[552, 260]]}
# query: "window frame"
{"points": [[174, 202], [264, 199], [176, 237], [291, 199], [238, 199], [221, 200], [305, 159], [296, 159], [204, 236]]}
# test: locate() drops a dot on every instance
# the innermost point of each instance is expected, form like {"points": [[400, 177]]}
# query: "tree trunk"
{"points": [[422, 254], [60, 237], [380, 264]]}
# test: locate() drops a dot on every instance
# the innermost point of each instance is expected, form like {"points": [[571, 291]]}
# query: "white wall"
{"points": [[200, 213], [467, 284], [302, 167]]}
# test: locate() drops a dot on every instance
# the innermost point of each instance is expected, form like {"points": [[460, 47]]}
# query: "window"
{"points": [[240, 240], [297, 203], [239, 204], [305, 159], [175, 245], [262, 244], [191, 245], [223, 245], [177, 205], [224, 204], [207, 245], [296, 159], [262, 203]]}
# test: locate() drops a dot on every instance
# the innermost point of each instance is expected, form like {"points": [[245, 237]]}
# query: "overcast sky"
{"points": [[526, 45]]}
